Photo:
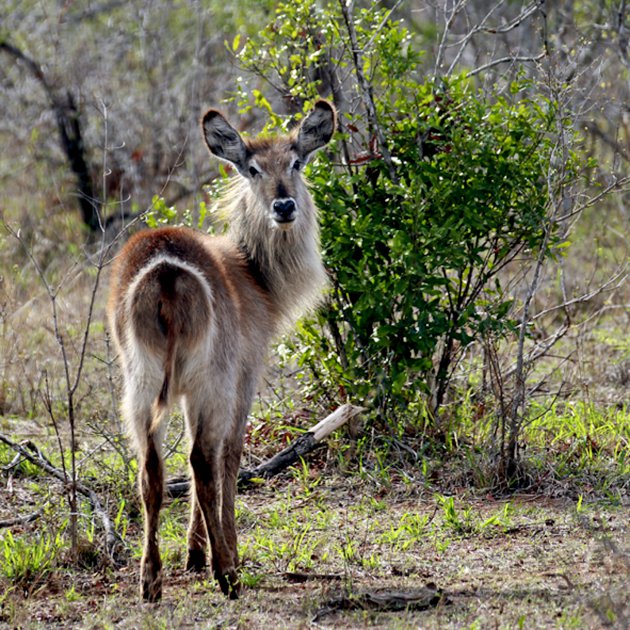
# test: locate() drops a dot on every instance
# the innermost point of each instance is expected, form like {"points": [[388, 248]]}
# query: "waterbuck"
{"points": [[192, 316]]}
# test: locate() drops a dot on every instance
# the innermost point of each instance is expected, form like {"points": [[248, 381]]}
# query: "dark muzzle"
{"points": [[284, 210]]}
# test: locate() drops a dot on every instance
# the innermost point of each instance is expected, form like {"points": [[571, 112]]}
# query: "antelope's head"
{"points": [[273, 167]]}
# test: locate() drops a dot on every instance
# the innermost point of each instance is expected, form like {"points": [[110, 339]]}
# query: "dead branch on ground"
{"points": [[29, 451], [304, 444]]}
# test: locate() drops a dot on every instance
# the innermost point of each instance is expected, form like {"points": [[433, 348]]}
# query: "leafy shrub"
{"points": [[416, 261], [435, 188]]}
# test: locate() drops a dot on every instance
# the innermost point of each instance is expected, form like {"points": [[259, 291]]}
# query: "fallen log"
{"points": [[301, 446], [304, 444]]}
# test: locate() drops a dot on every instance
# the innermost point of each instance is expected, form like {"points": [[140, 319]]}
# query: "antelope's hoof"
{"points": [[230, 586], [151, 579], [196, 561], [152, 589]]}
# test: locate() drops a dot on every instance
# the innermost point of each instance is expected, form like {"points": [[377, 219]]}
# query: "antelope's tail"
{"points": [[171, 310]]}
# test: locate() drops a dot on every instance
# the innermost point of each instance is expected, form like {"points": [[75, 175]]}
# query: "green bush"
{"points": [[434, 188], [416, 261]]}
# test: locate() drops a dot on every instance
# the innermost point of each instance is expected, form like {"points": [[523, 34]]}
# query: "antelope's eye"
{"points": [[253, 171], [296, 166]]}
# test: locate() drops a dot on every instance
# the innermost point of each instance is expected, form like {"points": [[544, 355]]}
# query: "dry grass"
{"points": [[537, 564]]}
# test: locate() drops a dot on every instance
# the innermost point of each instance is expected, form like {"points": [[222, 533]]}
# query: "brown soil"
{"points": [[543, 564]]}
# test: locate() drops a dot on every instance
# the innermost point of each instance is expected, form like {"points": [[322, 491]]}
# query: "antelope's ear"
{"points": [[316, 129], [223, 140]]}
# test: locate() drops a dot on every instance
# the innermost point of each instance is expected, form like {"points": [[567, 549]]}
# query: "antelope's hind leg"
{"points": [[197, 533], [151, 483], [207, 470], [138, 409]]}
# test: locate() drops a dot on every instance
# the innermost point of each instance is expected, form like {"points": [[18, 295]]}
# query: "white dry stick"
{"points": [[298, 448]]}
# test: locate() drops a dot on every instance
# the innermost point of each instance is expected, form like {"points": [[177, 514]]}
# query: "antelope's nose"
{"points": [[284, 210]]}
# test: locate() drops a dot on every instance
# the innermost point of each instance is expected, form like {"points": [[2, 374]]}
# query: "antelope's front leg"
{"points": [[197, 538], [232, 459], [207, 464]]}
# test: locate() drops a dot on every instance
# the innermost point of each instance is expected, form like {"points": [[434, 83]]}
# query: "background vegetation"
{"points": [[475, 226]]}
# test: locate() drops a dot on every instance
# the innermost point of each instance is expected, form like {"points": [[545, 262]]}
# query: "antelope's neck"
{"points": [[288, 267]]}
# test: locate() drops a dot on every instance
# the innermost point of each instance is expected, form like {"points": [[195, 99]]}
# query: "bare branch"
{"points": [[518, 20], [70, 135], [471, 33], [21, 520], [29, 451], [365, 88], [618, 280], [512, 60]]}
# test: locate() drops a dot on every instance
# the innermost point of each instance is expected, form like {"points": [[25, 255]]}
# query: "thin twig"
{"points": [[447, 27], [471, 33], [508, 59]]}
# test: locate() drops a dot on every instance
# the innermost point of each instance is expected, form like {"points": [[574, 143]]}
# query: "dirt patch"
{"points": [[333, 557]]}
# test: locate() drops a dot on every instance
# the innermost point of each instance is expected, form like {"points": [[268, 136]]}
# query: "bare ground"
{"points": [[345, 556]]}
